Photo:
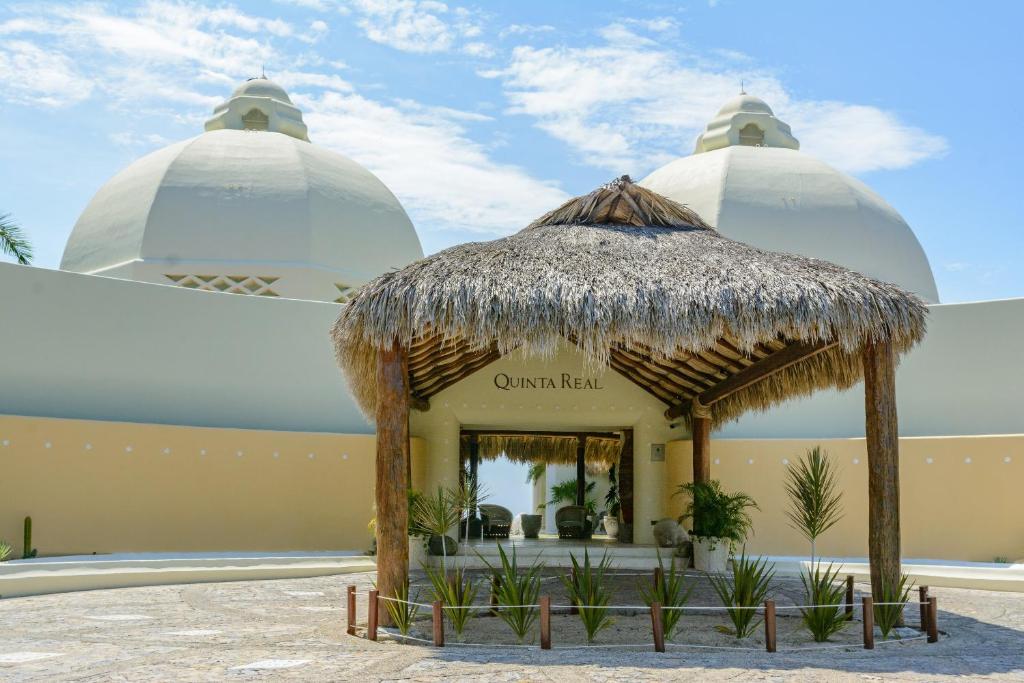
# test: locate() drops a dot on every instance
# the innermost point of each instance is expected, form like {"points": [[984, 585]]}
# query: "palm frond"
{"points": [[13, 241]]}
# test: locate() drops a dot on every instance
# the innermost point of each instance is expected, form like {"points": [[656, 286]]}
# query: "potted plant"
{"points": [[611, 499], [719, 521]]}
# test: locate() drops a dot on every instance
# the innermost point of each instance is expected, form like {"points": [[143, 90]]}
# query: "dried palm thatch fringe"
{"points": [[600, 454], [626, 266]]}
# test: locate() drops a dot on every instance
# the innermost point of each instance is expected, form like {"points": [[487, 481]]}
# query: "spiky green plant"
{"points": [[888, 617], [589, 590], [403, 611], [821, 588], [457, 592], [5, 550], [747, 589], [435, 514], [516, 592], [715, 513], [814, 496], [466, 498], [13, 241], [672, 590]]}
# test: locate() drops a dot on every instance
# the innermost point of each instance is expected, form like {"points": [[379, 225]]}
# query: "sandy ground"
{"points": [[294, 629]]}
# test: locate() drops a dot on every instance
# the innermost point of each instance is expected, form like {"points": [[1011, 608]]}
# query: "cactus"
{"points": [[28, 551]]}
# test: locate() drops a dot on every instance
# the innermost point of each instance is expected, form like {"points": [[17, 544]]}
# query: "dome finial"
{"points": [[743, 90], [747, 121], [259, 104]]}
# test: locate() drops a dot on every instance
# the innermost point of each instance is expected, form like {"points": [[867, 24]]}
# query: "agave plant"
{"points": [[516, 593], [814, 496], [588, 589], [821, 589], [748, 588], [457, 592], [403, 611], [670, 590], [5, 550], [888, 616]]}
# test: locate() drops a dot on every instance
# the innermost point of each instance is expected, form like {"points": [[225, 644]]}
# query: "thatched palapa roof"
{"points": [[639, 283], [550, 449]]}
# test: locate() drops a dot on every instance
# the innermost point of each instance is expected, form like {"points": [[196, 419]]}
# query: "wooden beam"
{"points": [[391, 485], [881, 429], [752, 374], [535, 432]]}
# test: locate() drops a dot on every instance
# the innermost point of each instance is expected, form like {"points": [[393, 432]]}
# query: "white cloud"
{"points": [[416, 25], [632, 103], [36, 76], [525, 29]]}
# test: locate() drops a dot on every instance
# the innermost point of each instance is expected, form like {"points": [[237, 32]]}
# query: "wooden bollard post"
{"points": [[933, 620], [659, 578], [438, 624], [849, 596], [922, 593], [868, 617], [656, 627], [371, 616], [545, 622], [350, 610], [495, 587], [769, 625]]}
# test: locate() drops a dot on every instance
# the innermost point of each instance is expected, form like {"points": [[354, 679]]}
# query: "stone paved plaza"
{"points": [[294, 629]]}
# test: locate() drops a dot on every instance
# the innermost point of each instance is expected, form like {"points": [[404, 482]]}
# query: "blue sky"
{"points": [[481, 116]]}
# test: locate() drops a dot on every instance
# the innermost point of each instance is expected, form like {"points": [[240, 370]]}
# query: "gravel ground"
{"points": [[294, 629]]}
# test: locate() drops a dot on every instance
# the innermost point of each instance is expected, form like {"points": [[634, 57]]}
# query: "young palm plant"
{"points": [[888, 617], [671, 590], [822, 589], [456, 592], [715, 513], [435, 515], [517, 593], [748, 588], [403, 611], [814, 496], [588, 589], [13, 241]]}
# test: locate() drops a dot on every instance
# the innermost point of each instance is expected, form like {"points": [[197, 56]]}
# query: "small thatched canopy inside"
{"points": [[640, 283], [550, 449]]}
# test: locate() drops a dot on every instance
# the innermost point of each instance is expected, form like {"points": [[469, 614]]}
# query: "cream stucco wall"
{"points": [[101, 487], [477, 402], [959, 496]]}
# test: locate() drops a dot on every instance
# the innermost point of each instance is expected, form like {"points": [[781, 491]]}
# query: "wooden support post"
{"points": [[438, 624], [372, 614], [769, 625], [849, 596], [659, 578], [657, 627], [495, 587], [883, 446], [701, 434], [625, 474], [933, 620], [545, 622], [350, 610], [392, 455], [868, 617], [922, 593], [581, 469]]}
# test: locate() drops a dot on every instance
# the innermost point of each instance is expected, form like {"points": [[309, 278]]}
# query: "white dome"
{"points": [[249, 211], [774, 197]]}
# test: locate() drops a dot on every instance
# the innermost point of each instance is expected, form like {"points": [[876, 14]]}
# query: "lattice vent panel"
{"points": [[258, 285]]}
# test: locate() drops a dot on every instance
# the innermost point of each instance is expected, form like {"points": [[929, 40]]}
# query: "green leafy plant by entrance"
{"points": [[715, 513], [456, 591], [565, 492], [403, 611], [887, 617], [671, 590], [516, 593], [815, 501], [821, 588], [588, 589], [747, 589], [611, 499]]}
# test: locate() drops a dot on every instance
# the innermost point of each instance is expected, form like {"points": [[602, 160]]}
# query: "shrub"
{"points": [[820, 588], [748, 588], [515, 592], [588, 590], [5, 550], [670, 591], [402, 610], [814, 496], [889, 616], [715, 513], [456, 592]]}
